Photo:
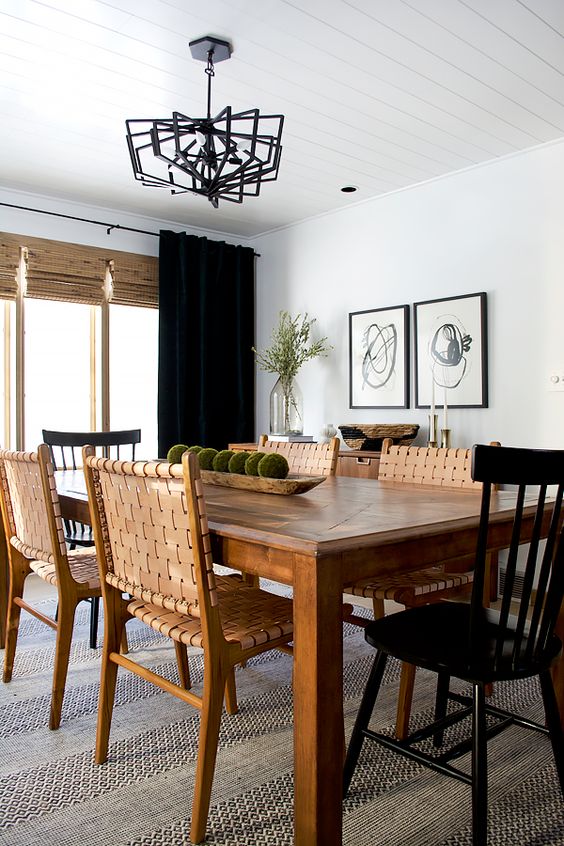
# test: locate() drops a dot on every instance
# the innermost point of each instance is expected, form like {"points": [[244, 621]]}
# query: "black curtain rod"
{"points": [[109, 226]]}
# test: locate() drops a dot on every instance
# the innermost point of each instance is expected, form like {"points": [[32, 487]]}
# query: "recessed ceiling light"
{"points": [[349, 189]]}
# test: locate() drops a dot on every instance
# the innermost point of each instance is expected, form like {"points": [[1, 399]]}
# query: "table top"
{"points": [[342, 511], [339, 508], [340, 515]]}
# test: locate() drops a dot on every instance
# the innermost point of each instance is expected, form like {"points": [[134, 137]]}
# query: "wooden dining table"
{"points": [[341, 531]]}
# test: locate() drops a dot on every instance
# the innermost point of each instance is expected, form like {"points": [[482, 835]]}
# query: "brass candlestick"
{"points": [[433, 429], [445, 438]]}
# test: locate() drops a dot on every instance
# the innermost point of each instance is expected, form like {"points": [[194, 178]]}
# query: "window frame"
{"points": [[134, 274]]}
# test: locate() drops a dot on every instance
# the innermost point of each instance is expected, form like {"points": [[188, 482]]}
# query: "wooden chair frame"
{"points": [[35, 535], [308, 458], [188, 608]]}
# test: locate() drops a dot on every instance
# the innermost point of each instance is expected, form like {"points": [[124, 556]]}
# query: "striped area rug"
{"points": [[52, 793]]}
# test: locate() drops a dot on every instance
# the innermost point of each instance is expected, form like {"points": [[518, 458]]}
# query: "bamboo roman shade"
{"points": [[55, 270], [66, 272], [9, 261], [135, 280]]}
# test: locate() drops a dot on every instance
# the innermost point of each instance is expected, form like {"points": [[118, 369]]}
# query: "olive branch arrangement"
{"points": [[290, 348]]}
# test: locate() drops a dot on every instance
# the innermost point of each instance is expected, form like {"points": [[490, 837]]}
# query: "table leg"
{"points": [[318, 702]]}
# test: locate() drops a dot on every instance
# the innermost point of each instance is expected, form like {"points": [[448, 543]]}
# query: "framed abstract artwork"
{"points": [[379, 358], [451, 352]]}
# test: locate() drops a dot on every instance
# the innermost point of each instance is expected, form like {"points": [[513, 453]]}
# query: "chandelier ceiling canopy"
{"points": [[225, 157]]}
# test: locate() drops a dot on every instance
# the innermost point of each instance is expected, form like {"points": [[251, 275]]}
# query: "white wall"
{"points": [[497, 228]]}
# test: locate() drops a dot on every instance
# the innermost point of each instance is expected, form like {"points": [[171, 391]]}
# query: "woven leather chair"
{"points": [[449, 468], [35, 535], [65, 448], [307, 459], [479, 645], [151, 533], [304, 459]]}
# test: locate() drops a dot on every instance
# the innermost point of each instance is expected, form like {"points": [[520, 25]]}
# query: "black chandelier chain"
{"points": [[210, 72]]}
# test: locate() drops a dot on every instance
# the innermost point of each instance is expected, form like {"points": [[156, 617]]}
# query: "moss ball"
{"points": [[237, 462], [175, 453], [206, 457], [252, 462], [222, 459], [195, 449], [273, 466]]}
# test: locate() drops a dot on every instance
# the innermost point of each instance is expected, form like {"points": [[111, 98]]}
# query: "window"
{"points": [[8, 372], [58, 387], [134, 351], [80, 341]]}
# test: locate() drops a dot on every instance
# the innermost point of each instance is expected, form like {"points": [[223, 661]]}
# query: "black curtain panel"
{"points": [[206, 331]]}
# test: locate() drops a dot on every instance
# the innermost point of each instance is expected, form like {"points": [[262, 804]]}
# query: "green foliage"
{"points": [[237, 462], [221, 460], [273, 466], [195, 449], [291, 347], [174, 455], [206, 457], [252, 462]]}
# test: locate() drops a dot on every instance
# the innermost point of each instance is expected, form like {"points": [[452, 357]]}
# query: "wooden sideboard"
{"points": [[360, 464]]}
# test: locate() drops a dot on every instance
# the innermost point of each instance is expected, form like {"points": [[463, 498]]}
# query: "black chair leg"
{"points": [[94, 610], [479, 768], [363, 718], [441, 704], [554, 726]]}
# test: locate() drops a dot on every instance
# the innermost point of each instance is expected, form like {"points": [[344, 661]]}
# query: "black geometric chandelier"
{"points": [[225, 157]]}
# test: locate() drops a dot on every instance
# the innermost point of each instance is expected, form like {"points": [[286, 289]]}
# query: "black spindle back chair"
{"points": [[480, 645], [527, 621], [66, 454], [66, 447]]}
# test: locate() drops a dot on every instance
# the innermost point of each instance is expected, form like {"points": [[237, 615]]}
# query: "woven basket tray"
{"points": [[285, 487], [369, 436]]}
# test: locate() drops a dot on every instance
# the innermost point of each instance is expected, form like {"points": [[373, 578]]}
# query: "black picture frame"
{"points": [[379, 358], [451, 352]]}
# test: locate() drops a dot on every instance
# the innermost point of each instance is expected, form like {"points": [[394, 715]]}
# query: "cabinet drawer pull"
{"points": [[363, 460]]}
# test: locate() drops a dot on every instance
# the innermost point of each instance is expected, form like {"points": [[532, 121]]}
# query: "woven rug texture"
{"points": [[52, 793]]}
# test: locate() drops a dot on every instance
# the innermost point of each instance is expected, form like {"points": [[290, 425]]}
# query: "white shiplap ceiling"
{"points": [[380, 94]]}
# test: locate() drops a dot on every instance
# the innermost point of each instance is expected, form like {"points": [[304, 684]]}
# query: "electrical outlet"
{"points": [[556, 380]]}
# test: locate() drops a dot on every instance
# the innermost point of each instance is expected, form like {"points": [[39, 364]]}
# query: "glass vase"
{"points": [[286, 408]]}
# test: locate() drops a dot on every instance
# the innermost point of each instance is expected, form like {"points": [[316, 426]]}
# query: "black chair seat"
{"points": [[436, 637]]}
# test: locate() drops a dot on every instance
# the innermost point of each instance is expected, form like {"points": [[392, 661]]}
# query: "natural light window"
{"points": [[7, 374], [134, 352], [57, 368], [79, 352]]}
